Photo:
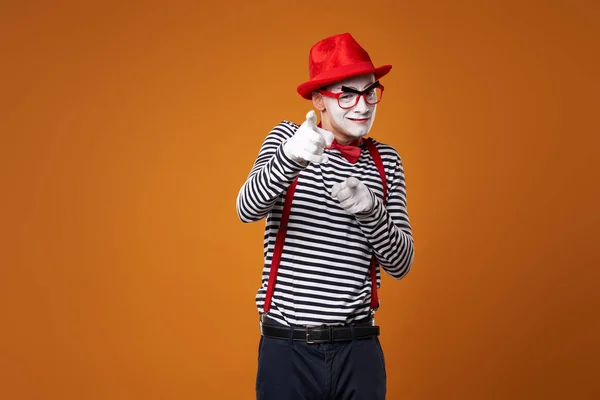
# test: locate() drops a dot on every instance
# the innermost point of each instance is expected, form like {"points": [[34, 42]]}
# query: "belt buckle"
{"points": [[308, 341]]}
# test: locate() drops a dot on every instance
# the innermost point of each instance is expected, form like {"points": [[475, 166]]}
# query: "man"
{"points": [[335, 208]]}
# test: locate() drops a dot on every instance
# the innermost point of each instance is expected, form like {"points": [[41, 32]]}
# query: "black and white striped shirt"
{"points": [[323, 276]]}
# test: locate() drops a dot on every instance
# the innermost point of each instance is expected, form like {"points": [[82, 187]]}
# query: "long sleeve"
{"points": [[388, 228], [270, 175]]}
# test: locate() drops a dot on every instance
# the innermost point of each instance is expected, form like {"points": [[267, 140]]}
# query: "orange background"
{"points": [[127, 130]]}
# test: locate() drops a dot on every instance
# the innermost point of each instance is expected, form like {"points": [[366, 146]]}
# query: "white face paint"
{"points": [[352, 123]]}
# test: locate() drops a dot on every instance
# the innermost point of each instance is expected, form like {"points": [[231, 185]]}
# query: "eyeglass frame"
{"points": [[360, 93]]}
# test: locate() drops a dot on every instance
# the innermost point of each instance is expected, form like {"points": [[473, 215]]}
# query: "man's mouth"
{"points": [[359, 120]]}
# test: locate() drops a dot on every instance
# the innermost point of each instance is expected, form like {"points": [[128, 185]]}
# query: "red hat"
{"points": [[336, 58]]}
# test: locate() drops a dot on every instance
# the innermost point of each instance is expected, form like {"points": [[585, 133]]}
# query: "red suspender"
{"points": [[279, 239], [285, 215], [379, 165]]}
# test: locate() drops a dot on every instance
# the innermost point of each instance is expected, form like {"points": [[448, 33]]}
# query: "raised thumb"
{"points": [[311, 118]]}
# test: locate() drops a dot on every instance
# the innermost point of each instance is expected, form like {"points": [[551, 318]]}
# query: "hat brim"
{"points": [[307, 88]]}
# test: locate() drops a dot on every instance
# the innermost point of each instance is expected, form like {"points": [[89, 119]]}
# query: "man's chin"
{"points": [[358, 133], [354, 133]]}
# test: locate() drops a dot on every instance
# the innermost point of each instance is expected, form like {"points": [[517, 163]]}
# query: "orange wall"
{"points": [[127, 130]]}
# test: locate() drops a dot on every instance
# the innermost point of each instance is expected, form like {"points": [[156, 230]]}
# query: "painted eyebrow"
{"points": [[355, 90]]}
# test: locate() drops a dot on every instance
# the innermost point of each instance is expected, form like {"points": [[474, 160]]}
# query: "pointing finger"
{"points": [[315, 138], [352, 182], [327, 136], [344, 195]]}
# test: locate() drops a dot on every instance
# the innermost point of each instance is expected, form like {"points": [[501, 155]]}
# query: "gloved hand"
{"points": [[354, 196], [308, 142]]}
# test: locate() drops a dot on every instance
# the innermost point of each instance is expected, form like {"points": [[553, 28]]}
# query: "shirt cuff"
{"points": [[287, 164], [371, 215]]}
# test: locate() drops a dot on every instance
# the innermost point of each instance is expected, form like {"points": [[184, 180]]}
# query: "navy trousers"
{"points": [[352, 370]]}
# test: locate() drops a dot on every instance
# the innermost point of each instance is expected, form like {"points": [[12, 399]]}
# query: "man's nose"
{"points": [[362, 105]]}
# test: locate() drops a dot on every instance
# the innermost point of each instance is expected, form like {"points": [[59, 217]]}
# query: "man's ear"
{"points": [[318, 102]]}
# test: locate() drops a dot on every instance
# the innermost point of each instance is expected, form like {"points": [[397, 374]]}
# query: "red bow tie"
{"points": [[351, 152]]}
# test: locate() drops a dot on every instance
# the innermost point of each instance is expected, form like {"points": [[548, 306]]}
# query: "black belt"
{"points": [[320, 334]]}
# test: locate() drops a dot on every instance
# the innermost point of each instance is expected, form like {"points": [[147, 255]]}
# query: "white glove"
{"points": [[354, 196], [308, 142]]}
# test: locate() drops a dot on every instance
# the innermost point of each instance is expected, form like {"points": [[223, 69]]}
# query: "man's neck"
{"points": [[346, 140]]}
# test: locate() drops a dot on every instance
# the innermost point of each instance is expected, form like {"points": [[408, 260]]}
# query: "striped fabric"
{"points": [[323, 276]]}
